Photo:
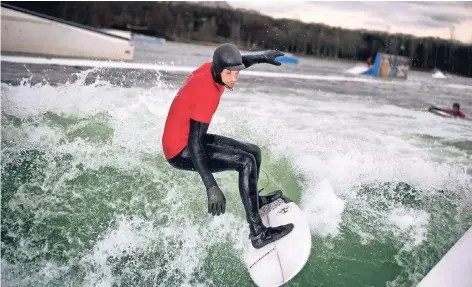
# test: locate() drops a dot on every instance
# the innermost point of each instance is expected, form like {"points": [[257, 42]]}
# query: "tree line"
{"points": [[187, 21]]}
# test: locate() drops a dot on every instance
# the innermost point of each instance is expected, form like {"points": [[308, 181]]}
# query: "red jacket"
{"points": [[198, 99], [459, 114]]}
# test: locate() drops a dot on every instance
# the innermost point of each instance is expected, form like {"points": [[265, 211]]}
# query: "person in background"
{"points": [[455, 111]]}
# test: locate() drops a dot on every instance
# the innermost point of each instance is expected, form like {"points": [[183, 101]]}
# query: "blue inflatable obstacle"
{"points": [[143, 38], [389, 66]]}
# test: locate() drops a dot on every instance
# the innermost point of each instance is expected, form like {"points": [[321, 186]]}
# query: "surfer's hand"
{"points": [[271, 55], [216, 201]]}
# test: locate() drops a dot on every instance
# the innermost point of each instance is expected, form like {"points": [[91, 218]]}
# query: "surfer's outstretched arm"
{"points": [[266, 57], [435, 108]]}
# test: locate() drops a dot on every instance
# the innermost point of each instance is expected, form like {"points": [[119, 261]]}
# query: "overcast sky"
{"points": [[417, 18]]}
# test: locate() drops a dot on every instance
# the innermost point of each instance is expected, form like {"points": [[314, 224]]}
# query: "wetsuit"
{"points": [[188, 146]]}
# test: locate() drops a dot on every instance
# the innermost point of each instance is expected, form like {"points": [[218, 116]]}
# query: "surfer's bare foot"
{"points": [[268, 198], [270, 234]]}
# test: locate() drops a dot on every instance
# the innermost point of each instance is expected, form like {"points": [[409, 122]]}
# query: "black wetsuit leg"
{"points": [[204, 155], [223, 158], [254, 150], [234, 144], [227, 154], [251, 149]]}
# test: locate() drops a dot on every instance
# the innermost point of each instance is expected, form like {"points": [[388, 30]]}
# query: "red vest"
{"points": [[198, 99]]}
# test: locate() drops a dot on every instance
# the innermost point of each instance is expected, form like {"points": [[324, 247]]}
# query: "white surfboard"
{"points": [[441, 113], [278, 262]]}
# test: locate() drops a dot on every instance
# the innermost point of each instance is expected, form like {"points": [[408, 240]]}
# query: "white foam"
{"points": [[438, 75], [459, 86], [125, 240], [358, 69], [323, 209], [410, 224], [95, 63], [181, 246]]}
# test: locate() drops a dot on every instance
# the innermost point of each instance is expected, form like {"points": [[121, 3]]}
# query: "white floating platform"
{"points": [[28, 32], [455, 268]]}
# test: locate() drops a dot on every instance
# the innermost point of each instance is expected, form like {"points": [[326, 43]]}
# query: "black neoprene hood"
{"points": [[227, 56]]}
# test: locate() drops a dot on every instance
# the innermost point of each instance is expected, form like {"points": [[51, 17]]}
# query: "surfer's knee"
{"points": [[247, 161], [255, 151]]}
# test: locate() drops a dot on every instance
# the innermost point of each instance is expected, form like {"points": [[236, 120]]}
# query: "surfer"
{"points": [[188, 146], [455, 111]]}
